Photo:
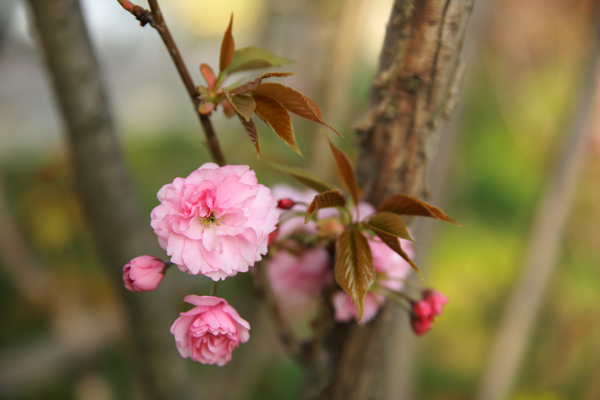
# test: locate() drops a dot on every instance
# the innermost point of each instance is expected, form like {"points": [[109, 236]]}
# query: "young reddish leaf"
{"points": [[294, 101], [354, 270], [331, 198], [252, 132], [227, 47], [408, 205], [243, 104], [209, 75], [253, 58], [227, 109], [278, 118], [346, 170], [394, 243], [248, 86], [302, 176], [206, 107], [390, 223]]}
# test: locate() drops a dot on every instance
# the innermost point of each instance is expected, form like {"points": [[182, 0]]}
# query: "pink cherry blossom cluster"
{"points": [[220, 221], [216, 222], [300, 269]]}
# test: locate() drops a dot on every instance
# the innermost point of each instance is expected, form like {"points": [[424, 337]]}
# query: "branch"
{"points": [[543, 249], [414, 90], [156, 20]]}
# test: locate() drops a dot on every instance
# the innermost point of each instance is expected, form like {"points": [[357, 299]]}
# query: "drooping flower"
{"points": [[216, 221], [209, 332], [391, 271], [143, 273], [298, 279]]}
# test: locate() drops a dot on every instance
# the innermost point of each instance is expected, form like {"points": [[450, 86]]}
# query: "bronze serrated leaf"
{"points": [[390, 223], [227, 47], [394, 243], [346, 170], [330, 198], [354, 270], [294, 101], [403, 204], [278, 118]]}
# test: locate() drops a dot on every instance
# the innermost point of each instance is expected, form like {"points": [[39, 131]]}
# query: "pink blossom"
{"points": [[345, 309], [391, 271], [298, 279], [216, 221], [143, 273], [209, 332], [437, 300]]}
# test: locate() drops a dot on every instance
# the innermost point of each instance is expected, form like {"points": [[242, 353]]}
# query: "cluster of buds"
{"points": [[424, 311]]}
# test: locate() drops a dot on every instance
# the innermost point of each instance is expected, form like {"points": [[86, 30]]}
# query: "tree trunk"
{"points": [[117, 226], [416, 87]]}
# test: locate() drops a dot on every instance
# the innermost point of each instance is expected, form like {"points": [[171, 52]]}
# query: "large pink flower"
{"points": [[209, 332], [216, 221], [391, 271]]}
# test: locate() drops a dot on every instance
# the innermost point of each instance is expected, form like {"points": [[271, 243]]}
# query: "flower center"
{"points": [[211, 220]]}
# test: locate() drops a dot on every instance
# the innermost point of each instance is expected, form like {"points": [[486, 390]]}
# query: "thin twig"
{"points": [[155, 18]]}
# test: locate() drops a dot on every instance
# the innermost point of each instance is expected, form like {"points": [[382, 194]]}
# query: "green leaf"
{"points": [[294, 101], [354, 270], [252, 132], [253, 58], [394, 243], [278, 118], [390, 223], [331, 198], [403, 204], [227, 48], [346, 170], [301, 175], [242, 103], [246, 87]]}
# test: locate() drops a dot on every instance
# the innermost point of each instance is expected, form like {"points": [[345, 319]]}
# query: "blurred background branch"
{"points": [[520, 315]]}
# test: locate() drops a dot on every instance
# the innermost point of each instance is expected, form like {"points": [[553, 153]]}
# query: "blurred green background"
{"points": [[525, 68]]}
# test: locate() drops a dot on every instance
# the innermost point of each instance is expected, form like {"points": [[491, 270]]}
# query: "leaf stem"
{"points": [[213, 288], [157, 21]]}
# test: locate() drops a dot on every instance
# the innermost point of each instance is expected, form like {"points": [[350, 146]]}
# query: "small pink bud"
{"points": [[436, 300], [420, 326], [143, 273], [422, 310], [285, 204]]}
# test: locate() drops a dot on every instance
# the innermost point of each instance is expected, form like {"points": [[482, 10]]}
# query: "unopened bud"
{"points": [[285, 204]]}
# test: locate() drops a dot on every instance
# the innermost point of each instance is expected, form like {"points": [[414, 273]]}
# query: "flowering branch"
{"points": [[155, 18]]}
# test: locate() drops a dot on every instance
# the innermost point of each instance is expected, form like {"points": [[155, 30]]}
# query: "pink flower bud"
{"points": [[143, 273], [436, 300], [421, 309], [285, 204], [420, 326], [209, 332]]}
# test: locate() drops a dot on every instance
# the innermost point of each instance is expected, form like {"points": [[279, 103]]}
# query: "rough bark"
{"points": [[416, 87], [119, 230]]}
